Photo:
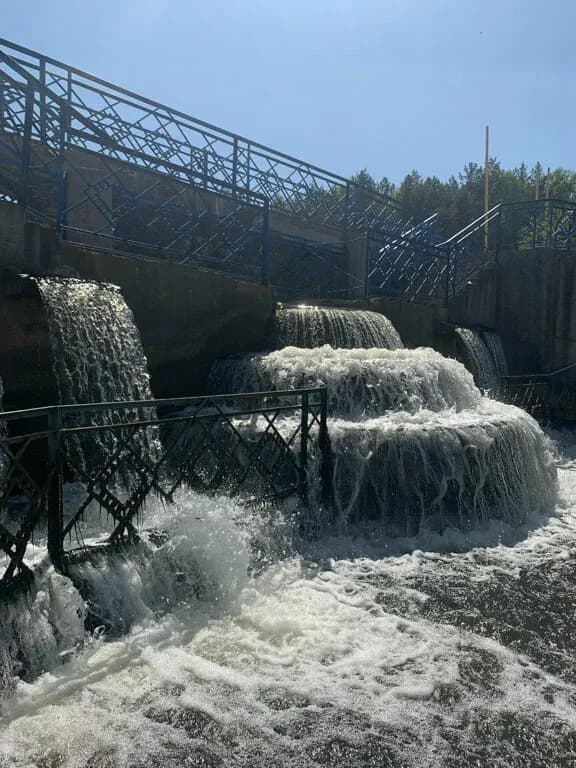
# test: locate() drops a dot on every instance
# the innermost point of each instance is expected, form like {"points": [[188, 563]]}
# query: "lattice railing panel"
{"points": [[251, 446]]}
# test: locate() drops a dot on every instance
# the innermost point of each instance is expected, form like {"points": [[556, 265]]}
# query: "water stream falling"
{"points": [[494, 344], [445, 643], [96, 348], [480, 360], [310, 326], [97, 357]]}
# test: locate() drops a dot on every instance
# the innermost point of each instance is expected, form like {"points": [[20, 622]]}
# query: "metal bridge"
{"points": [[113, 170]]}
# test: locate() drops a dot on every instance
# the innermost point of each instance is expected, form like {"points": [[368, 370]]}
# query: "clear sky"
{"points": [[390, 85]]}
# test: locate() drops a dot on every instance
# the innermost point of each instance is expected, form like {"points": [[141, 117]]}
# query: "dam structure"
{"points": [[263, 499]]}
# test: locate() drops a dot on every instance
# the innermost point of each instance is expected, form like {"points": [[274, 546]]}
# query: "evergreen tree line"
{"points": [[460, 200]]}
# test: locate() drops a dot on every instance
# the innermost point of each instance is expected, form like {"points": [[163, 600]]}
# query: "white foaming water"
{"points": [[407, 473], [355, 662], [196, 553], [361, 383], [480, 361], [309, 326]]}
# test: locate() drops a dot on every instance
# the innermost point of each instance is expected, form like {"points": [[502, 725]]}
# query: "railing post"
{"points": [[2, 103], [26, 145], [367, 266], [346, 222], [54, 501], [265, 265], [235, 166], [324, 440], [498, 235], [42, 97], [447, 276], [62, 191], [303, 469], [248, 170]]}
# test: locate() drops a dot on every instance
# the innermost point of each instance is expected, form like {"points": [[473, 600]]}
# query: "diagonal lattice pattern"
{"points": [[252, 446]]}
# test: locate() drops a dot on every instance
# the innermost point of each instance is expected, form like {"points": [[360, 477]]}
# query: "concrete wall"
{"points": [[25, 364], [530, 299], [187, 316]]}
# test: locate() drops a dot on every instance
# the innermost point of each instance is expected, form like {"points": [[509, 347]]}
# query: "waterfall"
{"points": [[362, 383], [97, 356], [403, 474], [494, 344], [97, 353], [309, 326], [415, 444], [479, 361], [428, 625]]}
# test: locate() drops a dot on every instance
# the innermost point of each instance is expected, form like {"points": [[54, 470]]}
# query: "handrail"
{"points": [[485, 218], [549, 375], [118, 405], [330, 176]]}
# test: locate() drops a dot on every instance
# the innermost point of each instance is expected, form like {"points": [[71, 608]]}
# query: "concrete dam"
{"points": [[264, 499]]}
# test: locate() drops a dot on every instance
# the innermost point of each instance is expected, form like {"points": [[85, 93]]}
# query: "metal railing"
{"points": [[118, 455], [526, 225], [410, 264], [548, 396], [55, 115]]}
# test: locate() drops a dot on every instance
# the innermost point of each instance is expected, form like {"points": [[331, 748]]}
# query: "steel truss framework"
{"points": [[208, 443]]}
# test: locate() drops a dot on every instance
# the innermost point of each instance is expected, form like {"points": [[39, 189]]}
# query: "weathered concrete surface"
{"points": [[530, 299], [25, 364], [187, 316]]}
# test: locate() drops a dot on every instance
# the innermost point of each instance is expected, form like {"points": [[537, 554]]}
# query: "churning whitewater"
{"points": [[346, 654], [423, 618]]}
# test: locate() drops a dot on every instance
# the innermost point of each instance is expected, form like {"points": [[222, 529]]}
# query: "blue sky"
{"points": [[390, 85]]}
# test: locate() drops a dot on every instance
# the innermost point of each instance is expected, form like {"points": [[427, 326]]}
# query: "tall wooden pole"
{"points": [[486, 185]]}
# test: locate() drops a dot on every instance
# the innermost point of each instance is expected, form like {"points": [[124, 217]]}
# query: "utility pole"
{"points": [[486, 186]]}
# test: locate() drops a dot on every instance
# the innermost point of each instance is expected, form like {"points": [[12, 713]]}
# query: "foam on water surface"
{"points": [[423, 659], [361, 383]]}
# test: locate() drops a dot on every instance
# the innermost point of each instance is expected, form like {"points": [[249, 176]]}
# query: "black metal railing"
{"points": [[527, 225], [551, 397], [115, 456], [56, 120], [410, 264]]}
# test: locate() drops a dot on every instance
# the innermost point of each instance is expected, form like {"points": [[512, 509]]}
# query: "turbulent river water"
{"points": [[456, 649], [428, 620]]}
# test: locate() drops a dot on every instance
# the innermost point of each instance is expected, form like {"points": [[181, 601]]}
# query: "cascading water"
{"points": [[415, 446], [448, 649], [494, 344], [309, 326], [479, 360], [361, 383], [96, 349], [97, 356]]}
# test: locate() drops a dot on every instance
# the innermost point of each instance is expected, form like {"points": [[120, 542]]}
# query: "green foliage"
{"points": [[460, 200]]}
